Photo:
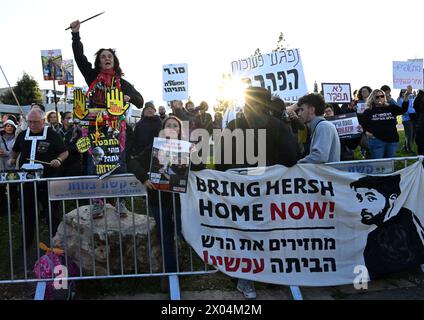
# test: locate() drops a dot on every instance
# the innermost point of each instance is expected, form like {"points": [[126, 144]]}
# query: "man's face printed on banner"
{"points": [[373, 205]]}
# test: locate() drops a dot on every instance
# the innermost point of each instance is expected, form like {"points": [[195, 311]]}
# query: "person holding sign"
{"points": [[108, 99], [379, 123], [165, 206]]}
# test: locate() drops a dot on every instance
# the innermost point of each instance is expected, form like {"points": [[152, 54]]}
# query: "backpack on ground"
{"points": [[52, 265]]}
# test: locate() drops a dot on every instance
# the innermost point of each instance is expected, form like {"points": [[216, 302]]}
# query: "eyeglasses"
{"points": [[68, 118], [379, 97]]}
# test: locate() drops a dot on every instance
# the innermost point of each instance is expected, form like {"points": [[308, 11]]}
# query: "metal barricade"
{"points": [[111, 246], [374, 166]]}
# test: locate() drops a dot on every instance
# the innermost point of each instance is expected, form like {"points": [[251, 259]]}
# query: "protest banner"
{"points": [[175, 82], [280, 72], [347, 125], [67, 72], [52, 64], [336, 92], [408, 73], [170, 164], [309, 224]]}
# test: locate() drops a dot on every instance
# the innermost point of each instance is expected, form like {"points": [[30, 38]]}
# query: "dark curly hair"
{"points": [[116, 66]]}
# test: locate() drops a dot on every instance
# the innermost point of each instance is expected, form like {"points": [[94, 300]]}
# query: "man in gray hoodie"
{"points": [[325, 142]]}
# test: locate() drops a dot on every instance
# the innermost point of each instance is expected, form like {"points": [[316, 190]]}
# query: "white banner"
{"points": [[308, 225], [336, 92], [279, 72], [175, 82], [408, 73]]}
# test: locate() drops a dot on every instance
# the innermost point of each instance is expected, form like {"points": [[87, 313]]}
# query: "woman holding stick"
{"points": [[105, 77]]}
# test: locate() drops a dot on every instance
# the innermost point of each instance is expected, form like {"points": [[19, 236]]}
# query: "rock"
{"points": [[76, 230]]}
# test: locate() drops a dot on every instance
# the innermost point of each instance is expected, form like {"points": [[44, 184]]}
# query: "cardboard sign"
{"points": [[170, 164], [408, 73], [336, 92], [52, 64], [346, 124], [175, 82], [279, 72], [68, 72]]}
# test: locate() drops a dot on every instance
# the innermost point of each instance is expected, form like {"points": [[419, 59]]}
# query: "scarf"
{"points": [[105, 77]]}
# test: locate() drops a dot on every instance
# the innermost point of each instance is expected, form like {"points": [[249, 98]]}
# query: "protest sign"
{"points": [[309, 224], [280, 72], [347, 125], [175, 82], [52, 64], [170, 164], [408, 73], [67, 72], [336, 92]]}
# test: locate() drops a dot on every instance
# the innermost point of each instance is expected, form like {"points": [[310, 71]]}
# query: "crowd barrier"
{"points": [[106, 247], [110, 246]]}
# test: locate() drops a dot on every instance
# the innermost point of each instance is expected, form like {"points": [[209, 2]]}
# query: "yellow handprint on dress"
{"points": [[115, 102], [80, 108]]}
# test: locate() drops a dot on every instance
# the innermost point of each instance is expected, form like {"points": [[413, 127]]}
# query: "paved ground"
{"points": [[405, 287]]}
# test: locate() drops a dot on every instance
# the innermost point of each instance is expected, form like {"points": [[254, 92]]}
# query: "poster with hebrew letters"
{"points": [[408, 73], [175, 82], [307, 225], [336, 92], [279, 72]]}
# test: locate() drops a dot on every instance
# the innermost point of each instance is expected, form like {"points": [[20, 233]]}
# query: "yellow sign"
{"points": [[115, 102], [83, 144], [80, 108]]}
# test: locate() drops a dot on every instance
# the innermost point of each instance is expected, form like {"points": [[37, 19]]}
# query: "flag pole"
{"points": [[13, 92]]}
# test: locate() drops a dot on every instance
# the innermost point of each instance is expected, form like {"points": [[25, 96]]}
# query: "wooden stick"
{"points": [[38, 161], [87, 19]]}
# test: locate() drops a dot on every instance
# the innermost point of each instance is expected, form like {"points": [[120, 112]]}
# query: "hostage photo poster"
{"points": [[309, 225]]}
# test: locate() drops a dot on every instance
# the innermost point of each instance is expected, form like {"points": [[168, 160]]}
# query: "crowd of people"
{"points": [[298, 133]]}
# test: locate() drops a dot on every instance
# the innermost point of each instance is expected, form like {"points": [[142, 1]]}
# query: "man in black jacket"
{"points": [[267, 131], [280, 144]]}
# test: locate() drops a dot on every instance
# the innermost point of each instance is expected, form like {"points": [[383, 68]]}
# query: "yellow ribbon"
{"points": [[46, 249]]}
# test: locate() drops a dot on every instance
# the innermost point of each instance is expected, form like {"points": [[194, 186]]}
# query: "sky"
{"points": [[352, 41]]}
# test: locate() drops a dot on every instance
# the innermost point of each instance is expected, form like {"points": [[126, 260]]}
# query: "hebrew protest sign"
{"points": [[309, 225], [175, 82], [347, 125], [408, 73], [279, 72], [336, 92]]}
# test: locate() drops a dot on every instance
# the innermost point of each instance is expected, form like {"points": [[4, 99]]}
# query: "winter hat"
{"points": [[149, 104], [10, 122]]}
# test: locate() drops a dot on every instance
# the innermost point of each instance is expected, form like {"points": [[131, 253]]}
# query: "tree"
{"points": [[26, 90]]}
